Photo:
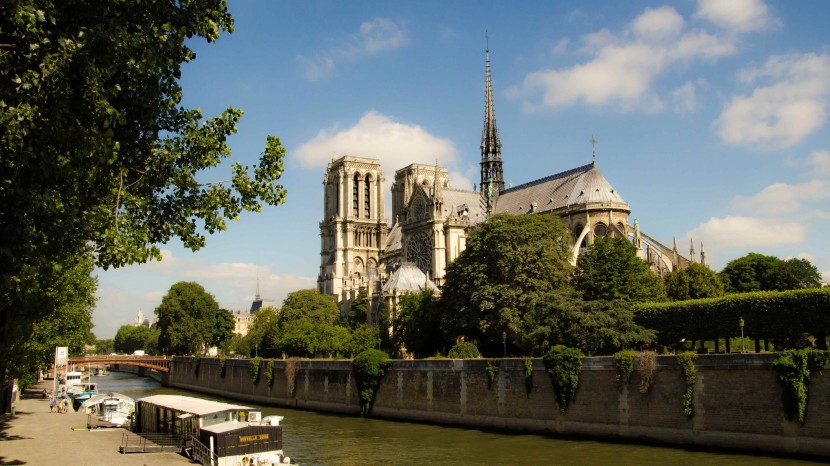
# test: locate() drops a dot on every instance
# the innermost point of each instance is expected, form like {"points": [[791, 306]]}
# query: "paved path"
{"points": [[34, 436]]}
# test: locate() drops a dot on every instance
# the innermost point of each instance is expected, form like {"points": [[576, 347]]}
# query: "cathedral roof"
{"points": [[460, 199], [408, 277], [579, 186], [393, 238]]}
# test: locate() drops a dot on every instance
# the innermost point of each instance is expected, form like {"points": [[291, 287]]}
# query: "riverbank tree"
{"points": [[97, 156], [186, 319]]}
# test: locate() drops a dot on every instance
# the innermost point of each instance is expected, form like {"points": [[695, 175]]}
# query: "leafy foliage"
{"points": [[260, 332], [256, 364], [688, 370], [358, 309], [463, 350], [765, 314], [794, 368], [624, 362], [269, 372], [510, 262], [528, 363], [369, 368], [308, 305], [97, 156], [694, 282], [595, 327], [222, 365], [564, 365], [611, 270], [757, 272], [129, 338], [492, 368], [197, 363], [186, 318], [223, 327], [104, 346], [419, 325]]}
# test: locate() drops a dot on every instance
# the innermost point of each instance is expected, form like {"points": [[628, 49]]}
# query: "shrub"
{"points": [[222, 361], [492, 369], [647, 364], [688, 370], [255, 365], [369, 368], [794, 368], [528, 362], [269, 372], [463, 350], [197, 360], [624, 362], [564, 365]]}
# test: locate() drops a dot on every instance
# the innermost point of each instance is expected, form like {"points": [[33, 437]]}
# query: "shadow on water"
{"points": [[312, 438]]}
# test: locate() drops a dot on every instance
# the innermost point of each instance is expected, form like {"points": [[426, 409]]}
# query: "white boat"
{"points": [[220, 434], [82, 392], [108, 410]]}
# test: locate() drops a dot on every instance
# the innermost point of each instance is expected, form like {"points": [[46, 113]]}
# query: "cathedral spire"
{"points": [[492, 179], [257, 287]]}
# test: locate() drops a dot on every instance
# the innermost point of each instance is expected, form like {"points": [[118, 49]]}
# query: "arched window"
{"points": [[600, 229], [356, 196], [367, 190]]}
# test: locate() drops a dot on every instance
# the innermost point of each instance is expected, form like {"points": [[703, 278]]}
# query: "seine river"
{"points": [[321, 439]]}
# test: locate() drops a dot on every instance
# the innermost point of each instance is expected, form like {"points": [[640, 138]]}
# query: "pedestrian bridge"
{"points": [[159, 363]]}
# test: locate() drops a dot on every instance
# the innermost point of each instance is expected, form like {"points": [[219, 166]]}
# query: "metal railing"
{"points": [[202, 453], [146, 443]]}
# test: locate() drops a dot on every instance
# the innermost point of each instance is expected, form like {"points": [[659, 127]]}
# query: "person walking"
{"points": [[65, 405], [53, 403]]}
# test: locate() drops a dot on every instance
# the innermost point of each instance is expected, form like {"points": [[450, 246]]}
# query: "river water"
{"points": [[323, 439]]}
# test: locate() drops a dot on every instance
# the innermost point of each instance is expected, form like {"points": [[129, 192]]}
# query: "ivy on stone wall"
{"points": [[492, 369], [255, 365], [222, 361], [269, 373], [564, 365], [624, 362], [197, 360], [528, 362], [688, 370], [794, 368], [369, 368], [290, 372]]}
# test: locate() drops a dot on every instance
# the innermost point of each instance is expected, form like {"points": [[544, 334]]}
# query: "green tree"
{"points": [[186, 318], [308, 305], [747, 273], [129, 338], [419, 325], [594, 327], [63, 300], [792, 274], [104, 346], [261, 332], [223, 327], [97, 156], [509, 263], [694, 282], [611, 270], [358, 309]]}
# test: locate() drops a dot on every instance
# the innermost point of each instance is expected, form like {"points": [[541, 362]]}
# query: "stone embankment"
{"points": [[737, 398]]}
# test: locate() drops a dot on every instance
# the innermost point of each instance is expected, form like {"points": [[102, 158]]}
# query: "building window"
{"points": [[367, 191], [355, 196], [600, 229]]}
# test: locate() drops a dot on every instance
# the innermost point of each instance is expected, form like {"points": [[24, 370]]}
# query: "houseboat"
{"points": [[108, 410], [227, 434]]}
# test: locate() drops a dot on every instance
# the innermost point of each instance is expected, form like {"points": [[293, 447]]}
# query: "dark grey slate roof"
{"points": [[459, 198], [579, 186], [393, 239]]}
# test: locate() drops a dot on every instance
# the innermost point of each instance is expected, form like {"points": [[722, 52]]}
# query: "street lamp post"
{"points": [[741, 323], [504, 342]]}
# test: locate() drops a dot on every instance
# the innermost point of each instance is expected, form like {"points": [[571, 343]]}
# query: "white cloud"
{"points": [[373, 37], [780, 198], [748, 232], [395, 144], [820, 160], [735, 15], [684, 98], [790, 104], [623, 67]]}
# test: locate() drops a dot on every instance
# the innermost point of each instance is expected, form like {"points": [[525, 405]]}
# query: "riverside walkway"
{"points": [[34, 436]]}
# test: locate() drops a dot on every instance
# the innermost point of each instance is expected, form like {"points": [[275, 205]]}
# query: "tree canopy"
{"points": [[509, 263], [97, 156], [694, 282], [611, 270], [757, 272], [186, 319], [419, 325], [129, 338]]}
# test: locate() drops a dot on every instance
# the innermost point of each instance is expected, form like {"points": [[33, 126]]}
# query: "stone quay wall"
{"points": [[737, 399]]}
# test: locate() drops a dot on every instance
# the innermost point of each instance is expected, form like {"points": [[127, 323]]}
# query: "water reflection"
{"points": [[324, 439]]}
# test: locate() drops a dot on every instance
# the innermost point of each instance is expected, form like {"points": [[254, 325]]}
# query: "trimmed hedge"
{"points": [[463, 350], [766, 314]]}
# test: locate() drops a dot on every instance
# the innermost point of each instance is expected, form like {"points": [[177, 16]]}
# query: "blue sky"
{"points": [[711, 119]]}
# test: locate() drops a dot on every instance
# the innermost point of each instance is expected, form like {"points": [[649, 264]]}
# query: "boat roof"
{"points": [[188, 404], [106, 396]]}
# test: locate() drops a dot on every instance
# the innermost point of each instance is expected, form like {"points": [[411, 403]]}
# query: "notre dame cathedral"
{"points": [[431, 219]]}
